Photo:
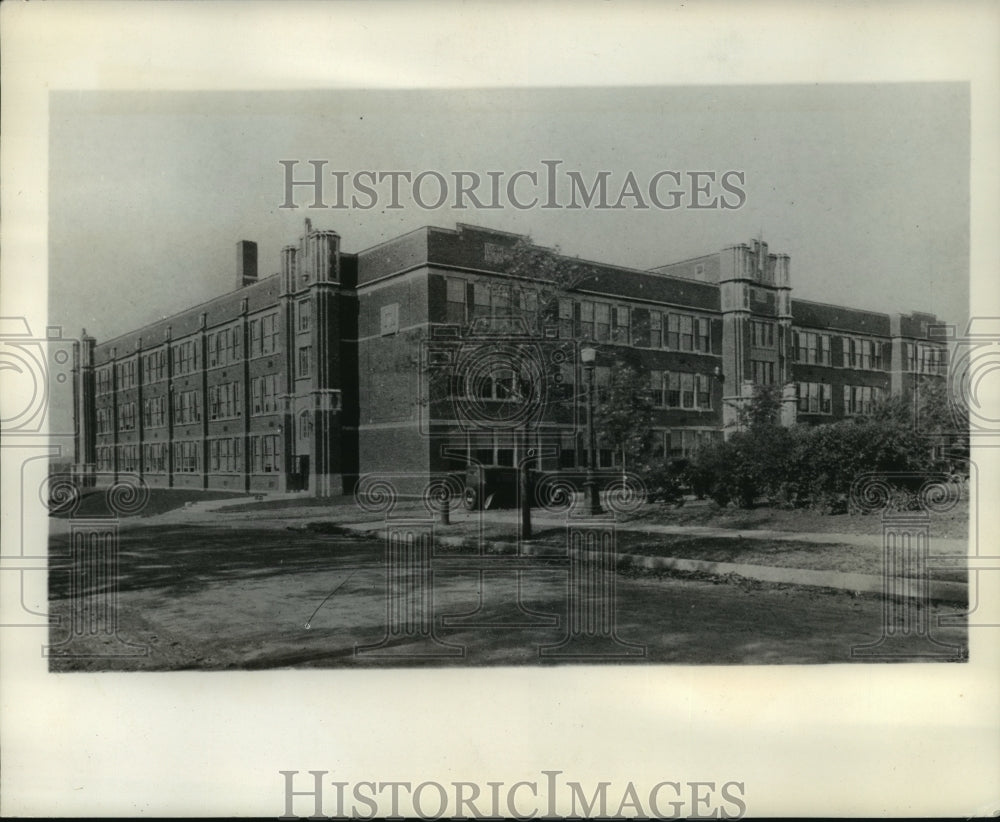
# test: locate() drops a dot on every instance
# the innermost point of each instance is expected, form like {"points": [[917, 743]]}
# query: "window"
{"points": [[762, 334], [622, 325], [186, 457], [809, 347], [154, 457], [305, 315], [687, 332], [657, 385], [154, 412], [655, 329], [185, 357], [455, 305], [187, 407], [152, 367], [762, 372], [128, 458], [264, 394], [673, 390], [213, 350], [687, 390], [929, 359], [585, 331], [683, 442], [848, 352], [703, 397], [704, 341], [255, 348], [224, 401], [860, 399], [103, 381], [480, 300], [269, 333], [235, 344], [224, 455], [565, 319], [265, 454], [862, 353], [304, 361], [126, 416], [814, 398], [602, 315], [126, 374], [673, 331]]}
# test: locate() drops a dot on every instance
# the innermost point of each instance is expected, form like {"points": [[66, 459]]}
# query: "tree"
{"points": [[624, 415], [538, 279]]}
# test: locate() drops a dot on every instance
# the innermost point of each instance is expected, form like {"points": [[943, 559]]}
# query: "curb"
{"points": [[937, 590]]}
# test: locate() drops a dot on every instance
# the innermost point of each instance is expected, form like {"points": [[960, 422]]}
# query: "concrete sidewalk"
{"points": [[936, 590]]}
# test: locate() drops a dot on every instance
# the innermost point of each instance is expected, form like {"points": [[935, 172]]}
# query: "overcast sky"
{"points": [[866, 187]]}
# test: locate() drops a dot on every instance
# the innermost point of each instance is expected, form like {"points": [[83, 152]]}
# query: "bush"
{"points": [[807, 465], [664, 482]]}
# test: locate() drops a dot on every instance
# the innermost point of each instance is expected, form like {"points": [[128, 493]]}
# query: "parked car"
{"points": [[493, 486]]}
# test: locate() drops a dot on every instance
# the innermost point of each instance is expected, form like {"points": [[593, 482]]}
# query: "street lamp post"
{"points": [[588, 358]]}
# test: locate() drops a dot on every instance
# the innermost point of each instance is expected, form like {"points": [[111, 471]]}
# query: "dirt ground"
{"points": [[245, 595]]}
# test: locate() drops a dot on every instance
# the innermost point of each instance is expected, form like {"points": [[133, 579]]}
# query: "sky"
{"points": [[866, 187]]}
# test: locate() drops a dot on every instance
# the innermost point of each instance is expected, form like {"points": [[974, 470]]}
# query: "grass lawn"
{"points": [[953, 524], [856, 559]]}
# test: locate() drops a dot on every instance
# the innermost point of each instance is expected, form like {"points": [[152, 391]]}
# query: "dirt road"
{"points": [[240, 596]]}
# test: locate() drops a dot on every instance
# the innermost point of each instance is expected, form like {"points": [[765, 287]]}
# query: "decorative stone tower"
{"points": [[310, 289], [755, 287]]}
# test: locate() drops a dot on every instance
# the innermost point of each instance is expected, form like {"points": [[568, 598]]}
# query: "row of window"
{"points": [[225, 401], [924, 359], [495, 449], [577, 319], [810, 347], [224, 346], [224, 456], [814, 397], [862, 353], [860, 399], [672, 389]]}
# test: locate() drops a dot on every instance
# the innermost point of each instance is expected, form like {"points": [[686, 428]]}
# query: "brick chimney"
{"points": [[246, 263]]}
